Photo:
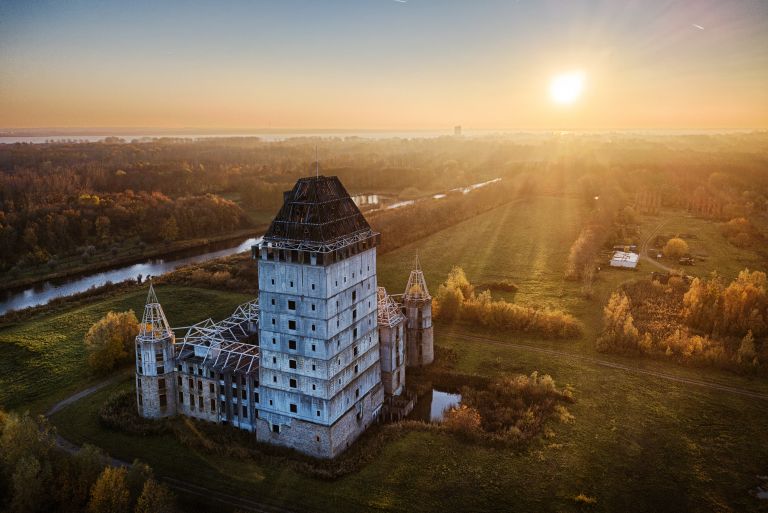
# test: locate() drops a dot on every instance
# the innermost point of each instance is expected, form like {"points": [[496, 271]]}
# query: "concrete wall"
{"points": [[419, 333], [323, 441], [319, 343], [392, 357], [155, 377]]}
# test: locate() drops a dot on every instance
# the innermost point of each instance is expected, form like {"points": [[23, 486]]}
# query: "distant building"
{"points": [[625, 259], [457, 130], [312, 362]]}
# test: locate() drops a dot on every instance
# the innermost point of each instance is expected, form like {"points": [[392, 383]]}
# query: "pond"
{"points": [[432, 406]]}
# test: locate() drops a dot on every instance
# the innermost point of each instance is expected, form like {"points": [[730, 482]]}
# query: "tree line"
{"points": [[37, 476]]}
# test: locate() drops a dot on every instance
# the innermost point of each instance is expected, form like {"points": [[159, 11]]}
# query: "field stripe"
{"points": [[613, 365]]}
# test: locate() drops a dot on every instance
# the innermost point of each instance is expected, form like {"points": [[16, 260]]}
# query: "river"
{"points": [[42, 293]]}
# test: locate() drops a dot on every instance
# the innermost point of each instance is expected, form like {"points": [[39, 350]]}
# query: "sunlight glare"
{"points": [[566, 88]]}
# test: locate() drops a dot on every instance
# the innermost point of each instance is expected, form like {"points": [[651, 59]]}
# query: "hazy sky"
{"points": [[383, 64]]}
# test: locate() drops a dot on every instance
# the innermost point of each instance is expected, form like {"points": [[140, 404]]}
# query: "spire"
{"points": [[151, 297], [154, 325], [416, 289]]}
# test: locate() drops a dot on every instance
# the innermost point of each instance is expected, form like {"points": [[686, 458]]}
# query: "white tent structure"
{"points": [[625, 259]]}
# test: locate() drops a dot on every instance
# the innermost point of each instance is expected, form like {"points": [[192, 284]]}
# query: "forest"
{"points": [[65, 199]]}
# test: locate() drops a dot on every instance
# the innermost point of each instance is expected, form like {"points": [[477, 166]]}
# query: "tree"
{"points": [[109, 341], [138, 475], [25, 436], [675, 248], [110, 492], [156, 498], [619, 331], [169, 231], [746, 355], [30, 480], [87, 465]]}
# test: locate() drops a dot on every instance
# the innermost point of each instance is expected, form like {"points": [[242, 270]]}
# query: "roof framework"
{"points": [[154, 325], [389, 312], [219, 346], [318, 215], [416, 288]]}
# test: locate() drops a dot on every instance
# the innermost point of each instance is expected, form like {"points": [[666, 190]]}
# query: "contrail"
{"points": [[401, 1], [697, 26]]}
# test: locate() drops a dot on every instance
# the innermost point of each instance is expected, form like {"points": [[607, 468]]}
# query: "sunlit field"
{"points": [[44, 358]]}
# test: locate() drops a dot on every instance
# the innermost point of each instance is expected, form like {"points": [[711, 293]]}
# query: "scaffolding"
{"points": [[416, 289], [389, 312], [318, 215], [219, 346], [154, 325]]}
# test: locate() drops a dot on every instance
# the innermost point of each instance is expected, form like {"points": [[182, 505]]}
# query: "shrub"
{"points": [[110, 340], [456, 299], [120, 412], [619, 331], [675, 248]]}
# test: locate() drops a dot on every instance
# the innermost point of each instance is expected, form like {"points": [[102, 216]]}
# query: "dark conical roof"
{"points": [[317, 214]]}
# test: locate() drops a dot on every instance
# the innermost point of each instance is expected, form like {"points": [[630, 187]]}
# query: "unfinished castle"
{"points": [[313, 361]]}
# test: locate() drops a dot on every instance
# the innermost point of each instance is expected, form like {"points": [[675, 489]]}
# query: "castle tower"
{"points": [[391, 343], [418, 310], [319, 371], [155, 384]]}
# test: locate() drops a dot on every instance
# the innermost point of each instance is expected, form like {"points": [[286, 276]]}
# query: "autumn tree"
{"points": [[110, 492], [110, 340], [619, 331], [746, 354], [156, 498], [675, 248]]}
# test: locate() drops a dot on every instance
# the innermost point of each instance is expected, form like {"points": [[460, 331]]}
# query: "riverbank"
{"points": [[106, 261]]}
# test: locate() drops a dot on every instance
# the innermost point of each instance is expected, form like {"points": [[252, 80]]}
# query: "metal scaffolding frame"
{"points": [[318, 215], [154, 325], [416, 288], [389, 312], [219, 346]]}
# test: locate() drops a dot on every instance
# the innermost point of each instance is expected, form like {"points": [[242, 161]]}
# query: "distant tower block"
{"points": [[457, 130], [418, 310], [391, 343], [155, 385], [319, 373]]}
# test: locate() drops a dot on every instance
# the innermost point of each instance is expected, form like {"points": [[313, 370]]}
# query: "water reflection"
{"points": [[431, 407], [49, 290]]}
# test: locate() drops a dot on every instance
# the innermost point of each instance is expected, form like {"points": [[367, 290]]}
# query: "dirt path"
{"points": [[613, 365], [181, 487], [644, 248]]}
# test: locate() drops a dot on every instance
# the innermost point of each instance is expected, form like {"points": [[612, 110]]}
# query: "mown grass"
{"points": [[639, 443], [43, 359], [708, 241]]}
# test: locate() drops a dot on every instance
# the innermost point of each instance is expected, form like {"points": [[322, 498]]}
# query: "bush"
{"points": [[109, 341], [511, 409], [456, 299], [675, 248], [120, 413]]}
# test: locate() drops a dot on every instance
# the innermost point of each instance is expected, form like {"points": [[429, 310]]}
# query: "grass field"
{"points": [[43, 359], [707, 241], [638, 444]]}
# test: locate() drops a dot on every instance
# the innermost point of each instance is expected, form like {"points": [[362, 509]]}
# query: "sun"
{"points": [[566, 88]]}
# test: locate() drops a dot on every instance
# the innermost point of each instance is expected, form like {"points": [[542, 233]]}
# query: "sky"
{"points": [[383, 64]]}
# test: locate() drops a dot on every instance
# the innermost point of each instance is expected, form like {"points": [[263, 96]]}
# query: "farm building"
{"points": [[625, 259], [312, 362]]}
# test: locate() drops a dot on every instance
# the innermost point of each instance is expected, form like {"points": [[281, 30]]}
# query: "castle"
{"points": [[311, 363]]}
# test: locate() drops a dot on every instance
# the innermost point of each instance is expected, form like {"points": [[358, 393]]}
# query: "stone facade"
{"points": [[311, 364]]}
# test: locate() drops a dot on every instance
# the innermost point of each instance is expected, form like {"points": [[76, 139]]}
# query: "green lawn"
{"points": [[43, 359], [708, 241], [638, 444]]}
